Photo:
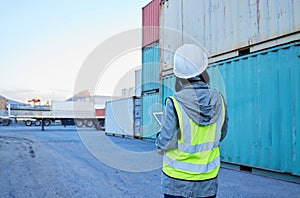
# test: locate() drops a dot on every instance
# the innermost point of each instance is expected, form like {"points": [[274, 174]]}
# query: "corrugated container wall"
{"points": [[150, 68], [119, 117], [168, 87], [150, 104], [263, 98], [223, 26], [150, 23]]}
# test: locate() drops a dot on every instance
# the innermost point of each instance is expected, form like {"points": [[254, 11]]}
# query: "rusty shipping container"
{"points": [[150, 23], [226, 26]]}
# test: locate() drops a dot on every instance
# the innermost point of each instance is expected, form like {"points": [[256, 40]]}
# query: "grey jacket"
{"points": [[201, 105]]}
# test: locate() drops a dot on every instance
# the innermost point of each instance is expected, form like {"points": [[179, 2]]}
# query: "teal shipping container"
{"points": [[151, 103], [150, 68], [167, 87], [263, 98], [262, 91]]}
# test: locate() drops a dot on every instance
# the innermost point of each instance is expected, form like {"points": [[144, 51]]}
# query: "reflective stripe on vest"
{"points": [[197, 156]]}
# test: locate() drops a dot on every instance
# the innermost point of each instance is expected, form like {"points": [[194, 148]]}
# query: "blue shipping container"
{"points": [[150, 68], [263, 98], [150, 104], [167, 87]]}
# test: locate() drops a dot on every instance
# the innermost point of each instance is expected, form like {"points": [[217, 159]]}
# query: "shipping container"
{"points": [[168, 87], [263, 98], [138, 117], [150, 104], [150, 23], [150, 68], [226, 26], [120, 115], [138, 83], [71, 109]]}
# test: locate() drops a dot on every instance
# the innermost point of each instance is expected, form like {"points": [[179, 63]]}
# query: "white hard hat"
{"points": [[189, 61]]}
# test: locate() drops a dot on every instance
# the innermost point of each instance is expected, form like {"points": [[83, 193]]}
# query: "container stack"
{"points": [[150, 68], [254, 56]]}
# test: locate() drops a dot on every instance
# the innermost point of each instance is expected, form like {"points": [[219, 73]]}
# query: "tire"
{"points": [[100, 125], [28, 122], [79, 123], [5, 122], [47, 122], [38, 123], [89, 123]]}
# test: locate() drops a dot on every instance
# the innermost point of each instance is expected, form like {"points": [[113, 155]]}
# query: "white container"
{"points": [[138, 82], [72, 109], [62, 105], [119, 117], [223, 26]]}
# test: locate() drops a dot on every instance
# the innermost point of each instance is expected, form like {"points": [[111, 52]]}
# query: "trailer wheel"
{"points": [[79, 123], [28, 122], [37, 123], [89, 123], [5, 122], [100, 125], [47, 122]]}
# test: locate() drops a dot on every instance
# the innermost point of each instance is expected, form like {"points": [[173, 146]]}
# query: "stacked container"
{"points": [[254, 55], [150, 23], [150, 69], [225, 27]]}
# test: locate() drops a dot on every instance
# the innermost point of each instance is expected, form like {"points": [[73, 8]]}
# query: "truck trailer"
{"points": [[79, 113]]}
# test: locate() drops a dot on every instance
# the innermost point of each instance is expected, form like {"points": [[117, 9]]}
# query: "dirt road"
{"points": [[55, 163]]}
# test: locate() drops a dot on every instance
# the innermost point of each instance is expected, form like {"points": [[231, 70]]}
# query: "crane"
{"points": [[34, 101]]}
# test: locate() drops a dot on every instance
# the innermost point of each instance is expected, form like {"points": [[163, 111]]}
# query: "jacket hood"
{"points": [[202, 104]]}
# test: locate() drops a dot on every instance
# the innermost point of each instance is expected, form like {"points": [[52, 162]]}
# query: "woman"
{"points": [[193, 124]]}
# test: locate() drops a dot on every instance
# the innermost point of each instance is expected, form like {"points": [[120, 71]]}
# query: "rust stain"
{"points": [[258, 15]]}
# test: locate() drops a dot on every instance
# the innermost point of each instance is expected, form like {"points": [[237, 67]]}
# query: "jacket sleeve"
{"points": [[167, 135], [225, 125]]}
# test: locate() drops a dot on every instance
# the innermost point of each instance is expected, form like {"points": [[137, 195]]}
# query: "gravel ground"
{"points": [[55, 163]]}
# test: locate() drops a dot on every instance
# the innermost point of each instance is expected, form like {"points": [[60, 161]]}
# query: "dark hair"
{"points": [[180, 82]]}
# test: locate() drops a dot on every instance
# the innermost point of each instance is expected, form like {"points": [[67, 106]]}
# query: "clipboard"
{"points": [[158, 117]]}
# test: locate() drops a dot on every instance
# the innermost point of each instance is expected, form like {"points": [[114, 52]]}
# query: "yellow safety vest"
{"points": [[197, 156]]}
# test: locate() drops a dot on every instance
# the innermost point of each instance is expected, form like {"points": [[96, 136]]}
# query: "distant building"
{"points": [[128, 92], [2, 103]]}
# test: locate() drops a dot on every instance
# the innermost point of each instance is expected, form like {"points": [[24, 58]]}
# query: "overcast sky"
{"points": [[44, 43]]}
